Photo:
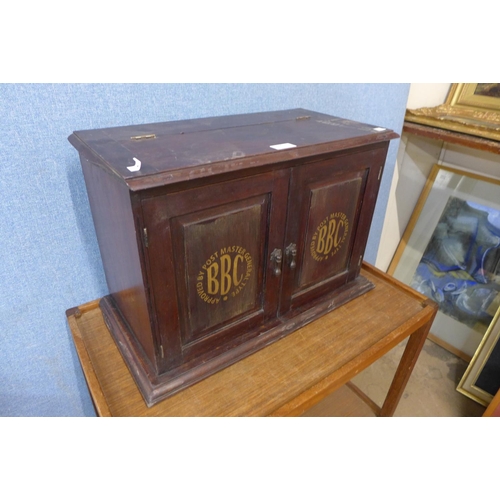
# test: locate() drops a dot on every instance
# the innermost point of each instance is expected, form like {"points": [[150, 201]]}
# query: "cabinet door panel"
{"points": [[330, 229], [212, 276], [219, 270], [329, 214]]}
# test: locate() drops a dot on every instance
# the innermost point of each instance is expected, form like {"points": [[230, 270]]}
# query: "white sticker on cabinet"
{"points": [[285, 145]]}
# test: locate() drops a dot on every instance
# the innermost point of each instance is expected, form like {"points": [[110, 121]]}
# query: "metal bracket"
{"points": [[291, 254], [142, 137], [277, 258]]}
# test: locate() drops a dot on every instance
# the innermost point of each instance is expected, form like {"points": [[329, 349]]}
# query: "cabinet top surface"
{"points": [[176, 151]]}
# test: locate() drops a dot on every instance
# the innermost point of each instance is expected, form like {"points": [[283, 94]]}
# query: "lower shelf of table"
{"points": [[347, 401]]}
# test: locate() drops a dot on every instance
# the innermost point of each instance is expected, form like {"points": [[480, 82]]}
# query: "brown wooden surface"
{"points": [[285, 378], [319, 192], [451, 137], [493, 409], [251, 218], [405, 367], [223, 143], [181, 305], [346, 401], [119, 251]]}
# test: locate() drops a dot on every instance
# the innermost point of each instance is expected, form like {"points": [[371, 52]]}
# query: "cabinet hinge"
{"points": [[142, 137], [380, 172], [145, 237], [161, 351], [360, 260]]}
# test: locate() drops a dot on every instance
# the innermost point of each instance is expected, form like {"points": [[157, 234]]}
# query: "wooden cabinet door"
{"points": [[209, 261], [329, 215]]}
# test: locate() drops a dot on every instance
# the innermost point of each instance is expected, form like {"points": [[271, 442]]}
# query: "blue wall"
{"points": [[49, 259]]}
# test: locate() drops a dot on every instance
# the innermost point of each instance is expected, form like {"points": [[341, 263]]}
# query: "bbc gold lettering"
{"points": [[225, 277], [330, 236], [236, 280], [212, 281], [230, 272], [338, 238]]}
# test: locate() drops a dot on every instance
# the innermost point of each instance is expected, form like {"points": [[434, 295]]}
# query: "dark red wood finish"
{"points": [[211, 254], [121, 253], [221, 244], [327, 200]]}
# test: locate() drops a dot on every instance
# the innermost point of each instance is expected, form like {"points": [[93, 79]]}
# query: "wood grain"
{"points": [[223, 143], [347, 401], [194, 242], [452, 137], [285, 378]]}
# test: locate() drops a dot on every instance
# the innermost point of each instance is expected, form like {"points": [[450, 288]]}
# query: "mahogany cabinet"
{"points": [[221, 235]]}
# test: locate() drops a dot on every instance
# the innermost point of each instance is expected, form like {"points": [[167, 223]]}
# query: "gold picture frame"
{"points": [[476, 379], [476, 96], [440, 251], [470, 108]]}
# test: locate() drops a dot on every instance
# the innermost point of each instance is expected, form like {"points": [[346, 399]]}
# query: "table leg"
{"points": [[404, 370]]}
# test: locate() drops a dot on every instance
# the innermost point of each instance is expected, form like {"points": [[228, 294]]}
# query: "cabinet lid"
{"points": [[155, 154]]}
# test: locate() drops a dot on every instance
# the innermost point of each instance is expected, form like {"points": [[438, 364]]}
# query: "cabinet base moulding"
{"points": [[157, 388]]}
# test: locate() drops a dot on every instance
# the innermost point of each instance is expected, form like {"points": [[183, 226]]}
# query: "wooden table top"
{"points": [[284, 378]]}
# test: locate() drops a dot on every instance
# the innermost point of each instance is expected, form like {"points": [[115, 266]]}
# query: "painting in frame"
{"points": [[476, 96], [450, 252], [481, 380], [470, 108]]}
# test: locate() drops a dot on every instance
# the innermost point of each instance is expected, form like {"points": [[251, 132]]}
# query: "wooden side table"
{"points": [[285, 378]]}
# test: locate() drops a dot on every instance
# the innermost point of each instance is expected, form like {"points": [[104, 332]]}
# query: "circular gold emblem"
{"points": [[329, 236], [224, 274]]}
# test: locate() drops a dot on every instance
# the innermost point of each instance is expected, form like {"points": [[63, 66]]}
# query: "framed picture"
{"points": [[470, 108], [450, 252], [475, 96], [481, 381]]}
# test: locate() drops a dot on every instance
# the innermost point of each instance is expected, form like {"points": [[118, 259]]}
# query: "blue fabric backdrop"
{"points": [[49, 258]]}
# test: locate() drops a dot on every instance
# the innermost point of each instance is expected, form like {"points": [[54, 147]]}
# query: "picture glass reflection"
{"points": [[460, 267]]}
